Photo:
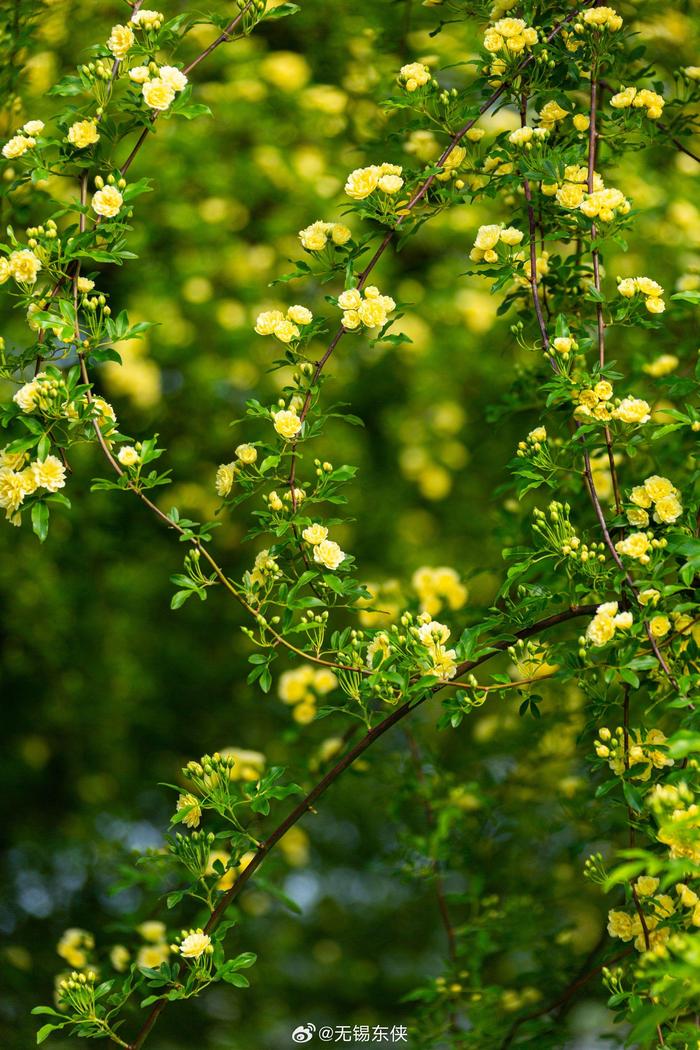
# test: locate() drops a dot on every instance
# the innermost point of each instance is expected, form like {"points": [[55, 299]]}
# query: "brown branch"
{"points": [[332, 775]]}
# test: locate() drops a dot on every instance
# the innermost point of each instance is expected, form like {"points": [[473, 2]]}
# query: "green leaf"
{"points": [[40, 520]]}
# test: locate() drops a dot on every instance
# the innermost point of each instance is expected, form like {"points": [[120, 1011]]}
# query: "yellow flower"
{"points": [[247, 453], [74, 946], [623, 98], [661, 366], [315, 533], [33, 127], [152, 955], [119, 956], [655, 305], [152, 930], [300, 315], [622, 925], [304, 713], [193, 814], [24, 266], [121, 39], [107, 202], [49, 474], [570, 195], [267, 321], [287, 423], [128, 456], [173, 78], [603, 389], [627, 287], [635, 545], [285, 331], [157, 94], [329, 554], [601, 629], [487, 237], [139, 74], [325, 681], [16, 146], [361, 182], [147, 19], [640, 496], [372, 313], [225, 477], [581, 122], [633, 410], [659, 626], [350, 299], [638, 517], [511, 236], [668, 509], [657, 487], [83, 134], [649, 596]]}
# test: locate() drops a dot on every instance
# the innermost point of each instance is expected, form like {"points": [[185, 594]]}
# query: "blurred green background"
{"points": [[106, 692]]}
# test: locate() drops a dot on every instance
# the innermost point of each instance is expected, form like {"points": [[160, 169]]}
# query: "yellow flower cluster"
{"points": [[159, 90], [603, 18], [302, 687], [524, 136], [284, 327], [370, 311], [641, 751], [315, 237], [363, 181], [326, 552], [635, 546], [439, 660], [678, 816], [644, 99], [16, 484], [74, 946], [664, 496], [595, 402], [23, 140], [488, 237], [414, 75], [264, 568], [651, 290], [606, 621], [656, 907], [533, 442], [572, 194], [23, 265], [151, 20], [509, 34], [436, 587]]}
